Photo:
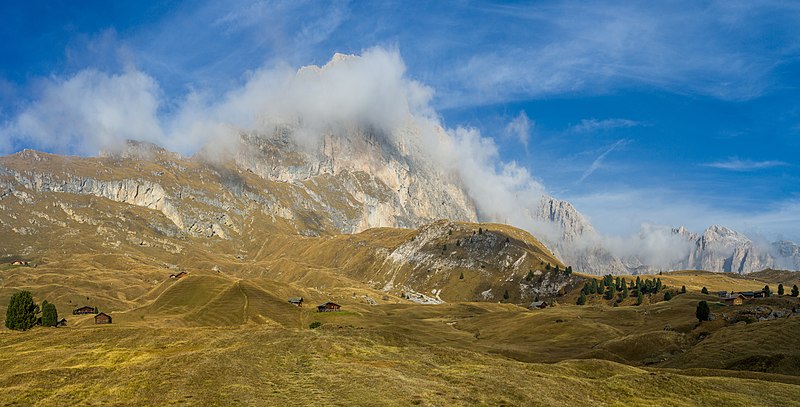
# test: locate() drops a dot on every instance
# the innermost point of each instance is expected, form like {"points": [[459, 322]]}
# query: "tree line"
{"points": [[619, 289]]}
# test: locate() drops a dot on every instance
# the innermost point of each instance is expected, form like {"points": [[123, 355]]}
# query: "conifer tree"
{"points": [[505, 295], [582, 299], [610, 292], [49, 314], [780, 289], [704, 290], [616, 284], [702, 313], [683, 289], [639, 298], [667, 295], [461, 277], [795, 291], [624, 290], [658, 285], [21, 312], [767, 291]]}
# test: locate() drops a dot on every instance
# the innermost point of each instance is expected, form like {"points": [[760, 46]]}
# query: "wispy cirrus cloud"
{"points": [[592, 125], [736, 164], [598, 162]]}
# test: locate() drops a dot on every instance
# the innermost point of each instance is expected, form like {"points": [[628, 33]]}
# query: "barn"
{"points": [[85, 310], [328, 307], [102, 318]]}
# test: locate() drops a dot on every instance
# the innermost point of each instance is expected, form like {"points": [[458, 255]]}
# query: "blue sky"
{"points": [[674, 113]]}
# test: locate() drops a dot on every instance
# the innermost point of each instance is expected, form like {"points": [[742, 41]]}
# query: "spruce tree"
{"points": [[702, 313], [767, 291], [461, 277], [624, 290], [780, 289], [795, 291], [616, 284], [49, 314], [704, 290], [639, 298], [610, 292], [683, 289], [582, 299], [658, 285], [667, 295], [21, 312]]}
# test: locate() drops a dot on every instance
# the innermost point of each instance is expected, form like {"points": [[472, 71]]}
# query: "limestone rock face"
{"points": [[724, 250], [379, 184]]}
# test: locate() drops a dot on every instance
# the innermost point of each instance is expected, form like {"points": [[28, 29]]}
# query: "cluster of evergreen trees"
{"points": [[23, 314], [620, 289]]}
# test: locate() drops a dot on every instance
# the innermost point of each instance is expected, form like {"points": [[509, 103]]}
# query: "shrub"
{"points": [[667, 295], [461, 277], [702, 313], [315, 325], [21, 312], [683, 289], [704, 290]]}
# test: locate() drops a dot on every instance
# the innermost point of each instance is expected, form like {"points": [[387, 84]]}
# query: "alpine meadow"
{"points": [[442, 204]]}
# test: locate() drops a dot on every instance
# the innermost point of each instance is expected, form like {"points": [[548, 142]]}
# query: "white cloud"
{"points": [[87, 111], [593, 125], [520, 128], [735, 164]]}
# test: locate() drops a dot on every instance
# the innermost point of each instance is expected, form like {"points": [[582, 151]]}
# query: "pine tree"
{"points": [[557, 270], [582, 299], [49, 314], [21, 312], [610, 292], [658, 285], [547, 267], [795, 291], [702, 313], [594, 287], [683, 289], [704, 290], [667, 295], [767, 291], [639, 298], [616, 284], [529, 277], [780, 289], [624, 290], [461, 277], [569, 270]]}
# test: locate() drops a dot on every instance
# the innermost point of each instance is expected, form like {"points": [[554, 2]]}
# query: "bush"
{"points": [[461, 277], [21, 312], [703, 312], [704, 290], [667, 295], [315, 325], [683, 289]]}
